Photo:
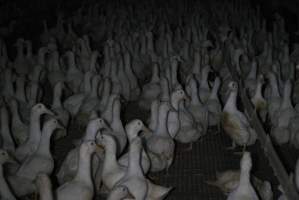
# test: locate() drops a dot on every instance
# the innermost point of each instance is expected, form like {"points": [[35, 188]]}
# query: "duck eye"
{"points": [[3, 153], [139, 123], [91, 143]]}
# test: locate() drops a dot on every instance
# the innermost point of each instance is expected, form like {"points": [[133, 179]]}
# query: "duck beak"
{"points": [[187, 98], [100, 147], [145, 129], [49, 112]]}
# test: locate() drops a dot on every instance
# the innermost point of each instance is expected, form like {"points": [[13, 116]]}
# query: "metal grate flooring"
{"points": [[192, 168]]}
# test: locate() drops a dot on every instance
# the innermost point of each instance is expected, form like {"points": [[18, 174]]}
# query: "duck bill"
{"points": [[145, 129], [49, 112], [100, 147]]}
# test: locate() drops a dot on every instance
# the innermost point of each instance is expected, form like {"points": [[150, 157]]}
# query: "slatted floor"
{"points": [[192, 168]]}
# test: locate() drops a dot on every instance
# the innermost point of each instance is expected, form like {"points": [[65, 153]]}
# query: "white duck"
{"points": [[7, 139], [204, 88], [214, 105], [5, 192], [199, 111], [160, 143], [173, 122], [61, 114], [69, 166], [133, 128], [258, 100], [280, 130], [139, 187], [117, 127], [41, 161], [112, 171], [151, 90], [18, 128], [81, 186], [244, 189], [31, 144], [234, 122]]}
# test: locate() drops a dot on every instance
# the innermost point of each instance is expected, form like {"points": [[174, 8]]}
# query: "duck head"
{"points": [[134, 127], [41, 109]]}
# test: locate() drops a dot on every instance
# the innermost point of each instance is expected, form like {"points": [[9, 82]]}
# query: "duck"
{"points": [[160, 143], [81, 186], [18, 128], [44, 187], [244, 189], [197, 109], [173, 121], [8, 142], [5, 191], [274, 98], [118, 130], [112, 171], [234, 122], [74, 76], [140, 187], [151, 90], [259, 102], [281, 128], [69, 166], [204, 88], [57, 107], [214, 105], [41, 160], [133, 128], [31, 144], [251, 79]]}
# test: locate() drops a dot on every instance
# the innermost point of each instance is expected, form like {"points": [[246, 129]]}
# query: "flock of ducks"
{"points": [[172, 61]]}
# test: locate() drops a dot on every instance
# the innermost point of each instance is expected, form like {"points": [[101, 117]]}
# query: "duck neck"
{"points": [[175, 102], [106, 92], [34, 128], [274, 87], [5, 130], [164, 90], [44, 144], [252, 73], [94, 87], [15, 113], [154, 116], [110, 160], [174, 69], [214, 93], [134, 168], [258, 90], [20, 93], [196, 65], [194, 94], [4, 188], [116, 121], [57, 97], [287, 103], [84, 169], [204, 79], [244, 177], [231, 101], [162, 121], [155, 74], [45, 192]]}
